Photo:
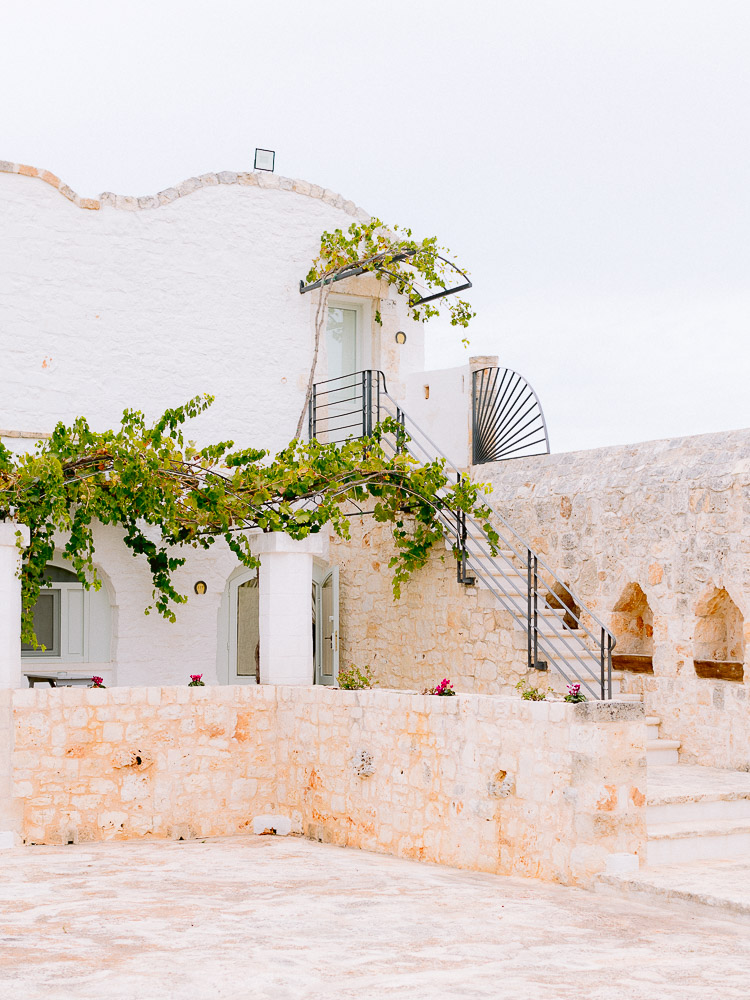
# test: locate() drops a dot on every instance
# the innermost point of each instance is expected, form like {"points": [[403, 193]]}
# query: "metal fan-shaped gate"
{"points": [[507, 417]]}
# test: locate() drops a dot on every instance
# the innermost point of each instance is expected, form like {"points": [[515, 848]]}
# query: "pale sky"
{"points": [[587, 160]]}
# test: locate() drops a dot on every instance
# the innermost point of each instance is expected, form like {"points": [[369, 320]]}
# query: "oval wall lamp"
{"points": [[400, 337], [200, 587]]}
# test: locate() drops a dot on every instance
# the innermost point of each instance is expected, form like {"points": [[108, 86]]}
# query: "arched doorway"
{"points": [[241, 618]]}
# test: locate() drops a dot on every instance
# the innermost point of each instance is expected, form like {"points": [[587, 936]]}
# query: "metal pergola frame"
{"points": [[356, 269]]}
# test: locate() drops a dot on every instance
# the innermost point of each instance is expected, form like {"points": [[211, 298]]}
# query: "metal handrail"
{"points": [[473, 551]]}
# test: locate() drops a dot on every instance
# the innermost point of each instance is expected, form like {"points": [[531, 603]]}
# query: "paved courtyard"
{"points": [[255, 917]]}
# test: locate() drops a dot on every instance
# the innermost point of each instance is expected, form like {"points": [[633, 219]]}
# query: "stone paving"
{"points": [[259, 917]]}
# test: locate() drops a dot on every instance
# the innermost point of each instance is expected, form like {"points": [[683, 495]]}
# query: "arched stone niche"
{"points": [[719, 647], [560, 597], [633, 627]]}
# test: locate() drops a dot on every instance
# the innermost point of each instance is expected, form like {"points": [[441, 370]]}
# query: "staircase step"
{"points": [[662, 751], [652, 727], [680, 843], [685, 793], [714, 890], [698, 810]]}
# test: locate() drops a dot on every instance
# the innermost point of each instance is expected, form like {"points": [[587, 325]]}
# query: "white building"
{"points": [[143, 303]]}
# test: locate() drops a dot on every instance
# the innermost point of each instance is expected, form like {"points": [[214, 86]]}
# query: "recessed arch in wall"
{"points": [[560, 597], [719, 645], [633, 628]]}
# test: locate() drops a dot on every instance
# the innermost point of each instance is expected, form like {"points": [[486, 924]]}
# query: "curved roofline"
{"points": [[129, 203]]}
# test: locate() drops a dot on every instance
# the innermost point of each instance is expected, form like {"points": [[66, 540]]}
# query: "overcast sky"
{"points": [[587, 160]]}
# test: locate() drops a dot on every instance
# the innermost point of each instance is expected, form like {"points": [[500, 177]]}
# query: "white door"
{"points": [[340, 415], [342, 341], [326, 626]]}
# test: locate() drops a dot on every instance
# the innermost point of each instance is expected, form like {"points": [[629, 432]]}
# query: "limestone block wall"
{"points": [[673, 517], [489, 783], [486, 783], [652, 537], [117, 763], [438, 628]]}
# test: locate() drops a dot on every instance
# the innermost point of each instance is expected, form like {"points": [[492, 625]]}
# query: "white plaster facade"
{"points": [[117, 302]]}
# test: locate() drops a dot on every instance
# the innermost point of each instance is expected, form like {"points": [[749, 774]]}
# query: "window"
{"points": [[72, 625], [46, 625]]}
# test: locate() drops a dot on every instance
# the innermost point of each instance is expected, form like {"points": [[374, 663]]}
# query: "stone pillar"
{"points": [[10, 604], [479, 361], [285, 607]]}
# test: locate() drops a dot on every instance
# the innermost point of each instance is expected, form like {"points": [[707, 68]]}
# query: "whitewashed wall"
{"points": [[130, 305], [116, 302]]}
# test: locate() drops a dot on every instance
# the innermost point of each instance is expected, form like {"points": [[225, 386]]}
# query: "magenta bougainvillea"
{"points": [[443, 688]]}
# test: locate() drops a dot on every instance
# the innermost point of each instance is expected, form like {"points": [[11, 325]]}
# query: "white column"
{"points": [[10, 604], [285, 611]]}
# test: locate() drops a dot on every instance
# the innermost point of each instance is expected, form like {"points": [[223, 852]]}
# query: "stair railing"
{"points": [[520, 580]]}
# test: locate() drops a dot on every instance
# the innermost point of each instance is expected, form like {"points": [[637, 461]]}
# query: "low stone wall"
{"points": [[487, 783], [118, 763]]}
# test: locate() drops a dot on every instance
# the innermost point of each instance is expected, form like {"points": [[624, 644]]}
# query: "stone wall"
{"points": [[118, 763], [438, 628], [664, 522], [491, 784], [673, 517]]}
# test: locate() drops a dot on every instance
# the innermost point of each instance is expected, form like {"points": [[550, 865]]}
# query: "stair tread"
{"points": [[653, 720], [697, 828], [674, 783], [663, 744], [721, 886]]}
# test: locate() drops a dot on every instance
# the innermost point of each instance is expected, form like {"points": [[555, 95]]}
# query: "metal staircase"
{"points": [[562, 634]]}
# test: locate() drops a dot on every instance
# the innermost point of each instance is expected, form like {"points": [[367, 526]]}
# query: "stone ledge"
{"points": [[130, 203]]}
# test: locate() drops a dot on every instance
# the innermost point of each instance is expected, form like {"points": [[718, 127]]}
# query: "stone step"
{"points": [[685, 793], [697, 810], [713, 890], [652, 727], [680, 843], [662, 751]]}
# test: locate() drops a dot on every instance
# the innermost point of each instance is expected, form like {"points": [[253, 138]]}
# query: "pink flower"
{"points": [[196, 677]]}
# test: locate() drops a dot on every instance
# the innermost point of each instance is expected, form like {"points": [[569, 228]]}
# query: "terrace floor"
{"points": [[249, 918]]}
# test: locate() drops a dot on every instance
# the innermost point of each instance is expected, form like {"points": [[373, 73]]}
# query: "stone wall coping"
{"points": [[131, 203], [510, 706], [640, 455]]}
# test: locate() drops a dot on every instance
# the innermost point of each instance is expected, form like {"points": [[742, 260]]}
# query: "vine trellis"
{"points": [[166, 494], [420, 270]]}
